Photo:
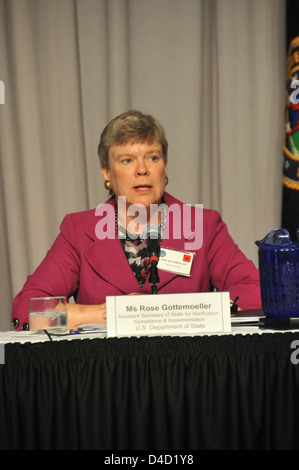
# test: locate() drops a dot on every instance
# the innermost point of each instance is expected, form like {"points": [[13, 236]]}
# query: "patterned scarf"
{"points": [[136, 249], [137, 256]]}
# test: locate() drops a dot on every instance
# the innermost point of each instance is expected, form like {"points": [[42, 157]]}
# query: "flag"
{"points": [[290, 197]]}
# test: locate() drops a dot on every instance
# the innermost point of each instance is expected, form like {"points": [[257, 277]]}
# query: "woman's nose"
{"points": [[142, 168]]}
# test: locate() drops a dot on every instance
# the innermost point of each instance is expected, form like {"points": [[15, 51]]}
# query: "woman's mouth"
{"points": [[143, 188]]}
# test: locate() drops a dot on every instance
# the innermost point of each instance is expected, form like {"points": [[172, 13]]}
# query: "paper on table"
{"points": [[92, 327], [249, 317]]}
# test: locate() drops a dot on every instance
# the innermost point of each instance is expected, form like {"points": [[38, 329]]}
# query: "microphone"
{"points": [[152, 234], [153, 238]]}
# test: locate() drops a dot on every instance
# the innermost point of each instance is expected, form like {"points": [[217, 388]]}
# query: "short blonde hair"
{"points": [[131, 126]]}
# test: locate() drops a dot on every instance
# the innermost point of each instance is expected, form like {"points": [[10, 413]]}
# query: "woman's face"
{"points": [[137, 171]]}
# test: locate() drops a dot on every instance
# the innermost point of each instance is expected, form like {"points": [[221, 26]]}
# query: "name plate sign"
{"points": [[168, 314]]}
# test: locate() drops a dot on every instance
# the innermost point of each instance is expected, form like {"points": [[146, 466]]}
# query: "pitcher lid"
{"points": [[277, 237]]}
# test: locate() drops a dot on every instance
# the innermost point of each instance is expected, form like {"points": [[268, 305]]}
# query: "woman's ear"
{"points": [[105, 172]]}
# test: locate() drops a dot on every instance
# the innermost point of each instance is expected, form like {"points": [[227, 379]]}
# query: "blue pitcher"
{"points": [[279, 274]]}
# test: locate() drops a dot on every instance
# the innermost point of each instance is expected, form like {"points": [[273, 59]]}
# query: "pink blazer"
{"points": [[80, 265]]}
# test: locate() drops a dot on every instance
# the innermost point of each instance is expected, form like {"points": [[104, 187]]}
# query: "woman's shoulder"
{"points": [[85, 222], [208, 214], [85, 216], [78, 218]]}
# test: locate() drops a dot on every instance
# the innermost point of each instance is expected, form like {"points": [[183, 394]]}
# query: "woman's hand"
{"points": [[78, 314]]}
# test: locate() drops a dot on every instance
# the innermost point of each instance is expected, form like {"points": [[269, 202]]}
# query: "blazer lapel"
{"points": [[176, 236], [174, 244], [108, 259]]}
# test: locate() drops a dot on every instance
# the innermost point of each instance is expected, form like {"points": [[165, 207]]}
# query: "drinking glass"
{"points": [[48, 313]]}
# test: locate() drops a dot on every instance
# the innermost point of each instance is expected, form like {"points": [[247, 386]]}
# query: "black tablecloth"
{"points": [[227, 392]]}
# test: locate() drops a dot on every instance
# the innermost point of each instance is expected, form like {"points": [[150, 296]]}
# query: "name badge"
{"points": [[174, 261], [168, 314]]}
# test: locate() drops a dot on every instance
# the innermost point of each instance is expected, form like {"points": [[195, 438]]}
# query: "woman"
{"points": [[90, 260]]}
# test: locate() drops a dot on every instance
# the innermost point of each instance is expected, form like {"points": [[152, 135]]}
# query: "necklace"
{"points": [[124, 234]]}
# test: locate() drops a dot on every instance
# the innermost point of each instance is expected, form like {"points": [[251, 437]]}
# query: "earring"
{"points": [[166, 181], [107, 184]]}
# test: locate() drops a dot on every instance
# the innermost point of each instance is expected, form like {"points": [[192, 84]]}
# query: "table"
{"points": [[234, 391]]}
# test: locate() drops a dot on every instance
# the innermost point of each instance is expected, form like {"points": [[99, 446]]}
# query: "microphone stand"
{"points": [[153, 244], [154, 277]]}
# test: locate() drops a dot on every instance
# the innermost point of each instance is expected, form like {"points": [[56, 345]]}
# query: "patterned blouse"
{"points": [[137, 256], [136, 249]]}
